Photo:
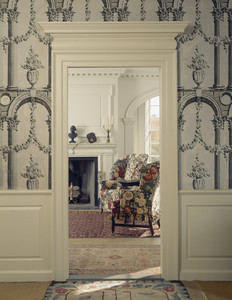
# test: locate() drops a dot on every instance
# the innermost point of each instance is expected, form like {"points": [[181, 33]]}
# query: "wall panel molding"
{"points": [[25, 232], [206, 225]]}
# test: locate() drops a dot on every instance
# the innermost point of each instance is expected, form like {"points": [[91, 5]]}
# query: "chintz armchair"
{"points": [[141, 204]]}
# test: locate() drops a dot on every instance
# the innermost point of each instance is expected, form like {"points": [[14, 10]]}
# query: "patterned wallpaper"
{"points": [[204, 84]]}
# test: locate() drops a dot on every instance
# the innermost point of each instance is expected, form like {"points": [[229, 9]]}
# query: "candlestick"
{"points": [[108, 133]]}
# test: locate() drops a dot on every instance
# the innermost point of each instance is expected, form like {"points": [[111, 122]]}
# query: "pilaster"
{"points": [[129, 133], [230, 49], [12, 52], [229, 120], [218, 15], [12, 159], [218, 125]]}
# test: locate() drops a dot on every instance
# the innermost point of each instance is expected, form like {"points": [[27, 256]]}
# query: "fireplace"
{"points": [[83, 181]]}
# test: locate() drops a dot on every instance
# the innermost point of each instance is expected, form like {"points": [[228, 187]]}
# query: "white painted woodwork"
{"points": [[90, 108], [26, 230], [205, 235], [129, 134], [116, 45]]}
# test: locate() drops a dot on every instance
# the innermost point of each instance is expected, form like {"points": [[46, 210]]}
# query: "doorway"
{"points": [[99, 98], [116, 45]]}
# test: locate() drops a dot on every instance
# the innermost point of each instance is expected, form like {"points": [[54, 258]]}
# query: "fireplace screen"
{"points": [[83, 183]]}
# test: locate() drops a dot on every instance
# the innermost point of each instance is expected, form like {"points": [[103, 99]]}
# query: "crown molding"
{"points": [[114, 73]]}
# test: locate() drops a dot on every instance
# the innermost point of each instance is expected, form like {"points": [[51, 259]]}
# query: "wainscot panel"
{"points": [[206, 226], [26, 236]]}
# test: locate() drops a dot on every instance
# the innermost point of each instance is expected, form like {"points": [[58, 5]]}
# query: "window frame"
{"points": [[149, 130]]}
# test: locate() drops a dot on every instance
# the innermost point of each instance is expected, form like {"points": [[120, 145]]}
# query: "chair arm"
{"points": [[109, 184], [129, 183]]}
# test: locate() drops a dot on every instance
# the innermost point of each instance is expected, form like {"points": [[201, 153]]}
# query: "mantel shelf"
{"points": [[91, 146]]}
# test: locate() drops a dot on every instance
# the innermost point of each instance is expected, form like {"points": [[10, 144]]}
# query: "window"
{"points": [[152, 129]]}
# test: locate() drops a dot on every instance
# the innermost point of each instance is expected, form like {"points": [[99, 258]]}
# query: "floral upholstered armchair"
{"points": [[141, 204], [125, 170]]}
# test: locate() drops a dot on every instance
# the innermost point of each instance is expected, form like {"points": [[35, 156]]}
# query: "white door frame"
{"points": [[117, 44]]}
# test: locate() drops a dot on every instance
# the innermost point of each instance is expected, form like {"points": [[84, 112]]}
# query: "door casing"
{"points": [[116, 44]]}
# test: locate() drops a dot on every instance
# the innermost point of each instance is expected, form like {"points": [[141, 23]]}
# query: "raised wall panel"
{"points": [[206, 226], [210, 226], [22, 239], [89, 107], [89, 112], [26, 236]]}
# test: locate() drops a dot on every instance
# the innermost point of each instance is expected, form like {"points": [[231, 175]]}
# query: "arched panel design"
{"points": [[192, 97], [26, 97], [198, 139], [32, 113]]}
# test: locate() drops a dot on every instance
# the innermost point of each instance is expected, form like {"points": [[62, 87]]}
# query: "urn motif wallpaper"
{"points": [[204, 84]]}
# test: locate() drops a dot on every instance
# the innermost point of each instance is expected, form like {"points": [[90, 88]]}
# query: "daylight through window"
{"points": [[152, 128]]}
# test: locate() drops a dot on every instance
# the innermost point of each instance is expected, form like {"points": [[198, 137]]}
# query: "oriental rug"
{"points": [[94, 224], [117, 290], [122, 259]]}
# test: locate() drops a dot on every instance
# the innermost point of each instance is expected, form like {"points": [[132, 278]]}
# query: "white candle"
{"points": [[109, 113]]}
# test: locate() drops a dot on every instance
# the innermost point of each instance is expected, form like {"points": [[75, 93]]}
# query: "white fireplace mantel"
{"points": [[105, 152]]}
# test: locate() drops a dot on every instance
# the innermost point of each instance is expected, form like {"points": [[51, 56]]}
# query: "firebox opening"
{"points": [[83, 183]]}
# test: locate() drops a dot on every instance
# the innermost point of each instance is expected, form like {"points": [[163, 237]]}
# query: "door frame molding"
{"points": [[116, 44]]}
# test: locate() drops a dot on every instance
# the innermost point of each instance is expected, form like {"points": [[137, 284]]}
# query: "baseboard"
{"points": [[206, 275]]}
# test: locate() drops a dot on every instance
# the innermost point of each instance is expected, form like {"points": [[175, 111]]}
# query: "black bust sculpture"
{"points": [[72, 134]]}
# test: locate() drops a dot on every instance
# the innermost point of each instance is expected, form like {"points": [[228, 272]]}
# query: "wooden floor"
{"points": [[217, 290]]}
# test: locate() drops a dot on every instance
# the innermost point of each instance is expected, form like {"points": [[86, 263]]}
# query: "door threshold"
{"points": [[115, 277]]}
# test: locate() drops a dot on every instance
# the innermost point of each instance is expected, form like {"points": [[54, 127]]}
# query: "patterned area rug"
{"points": [[117, 290], [114, 259], [94, 224]]}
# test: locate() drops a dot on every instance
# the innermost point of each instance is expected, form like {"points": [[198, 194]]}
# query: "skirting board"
{"points": [[213, 275]]}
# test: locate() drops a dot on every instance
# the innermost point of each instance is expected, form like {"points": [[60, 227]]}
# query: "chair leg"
{"points": [[151, 226], [113, 223]]}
